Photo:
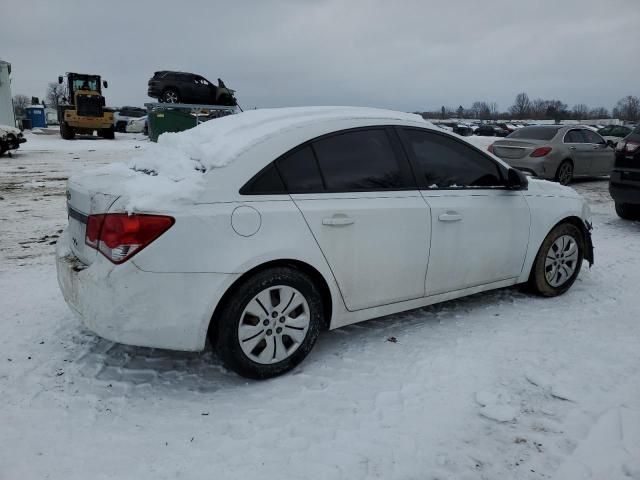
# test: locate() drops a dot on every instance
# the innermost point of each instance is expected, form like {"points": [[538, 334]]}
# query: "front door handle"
{"points": [[338, 220], [572, 148], [450, 217]]}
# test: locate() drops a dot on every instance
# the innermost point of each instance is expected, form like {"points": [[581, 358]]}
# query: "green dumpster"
{"points": [[169, 120]]}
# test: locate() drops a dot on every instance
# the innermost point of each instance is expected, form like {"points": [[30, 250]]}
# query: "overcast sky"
{"points": [[405, 55]]}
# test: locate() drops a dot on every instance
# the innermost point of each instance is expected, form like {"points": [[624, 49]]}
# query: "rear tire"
{"points": [[564, 174], [627, 211], [558, 261], [67, 132], [269, 324], [170, 95]]}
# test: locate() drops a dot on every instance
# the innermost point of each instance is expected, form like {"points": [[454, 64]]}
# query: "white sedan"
{"points": [[137, 125], [258, 230]]}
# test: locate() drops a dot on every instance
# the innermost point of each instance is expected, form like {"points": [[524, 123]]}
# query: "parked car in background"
{"points": [[624, 183], [613, 133], [122, 117], [487, 130], [556, 152], [138, 125], [183, 87], [290, 195], [10, 138], [463, 130]]}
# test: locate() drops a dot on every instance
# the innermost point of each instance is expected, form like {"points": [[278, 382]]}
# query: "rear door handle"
{"points": [[572, 148], [450, 217], [338, 220]]}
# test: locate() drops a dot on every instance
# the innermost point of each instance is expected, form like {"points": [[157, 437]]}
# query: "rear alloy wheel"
{"points": [[170, 96], [558, 262], [628, 212], [564, 175], [269, 325]]}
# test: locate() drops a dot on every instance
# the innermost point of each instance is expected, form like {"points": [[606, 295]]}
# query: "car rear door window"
{"points": [[592, 137], [445, 162], [574, 136], [266, 182], [300, 172], [361, 160]]}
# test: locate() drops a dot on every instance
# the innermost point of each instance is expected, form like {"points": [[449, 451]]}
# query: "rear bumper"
{"points": [[624, 186], [127, 305]]}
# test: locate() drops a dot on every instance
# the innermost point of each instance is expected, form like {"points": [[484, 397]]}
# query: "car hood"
{"points": [[5, 129], [540, 187]]}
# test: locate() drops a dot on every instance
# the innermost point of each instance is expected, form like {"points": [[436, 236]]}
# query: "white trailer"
{"points": [[6, 105]]}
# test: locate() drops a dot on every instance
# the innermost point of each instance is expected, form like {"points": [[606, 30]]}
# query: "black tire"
{"points": [[170, 95], [538, 281], [564, 174], [67, 132], [225, 336], [108, 133], [627, 211], [3, 148]]}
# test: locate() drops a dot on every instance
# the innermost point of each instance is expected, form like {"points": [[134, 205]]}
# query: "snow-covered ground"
{"points": [[500, 385]]}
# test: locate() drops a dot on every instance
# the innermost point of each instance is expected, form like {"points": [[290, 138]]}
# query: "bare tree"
{"points": [[556, 110], [493, 110], [581, 111], [599, 112], [522, 106], [20, 102], [460, 112], [481, 110], [539, 109], [628, 108], [54, 94]]}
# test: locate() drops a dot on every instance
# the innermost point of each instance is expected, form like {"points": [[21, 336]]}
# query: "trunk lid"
{"points": [[516, 148], [88, 195]]}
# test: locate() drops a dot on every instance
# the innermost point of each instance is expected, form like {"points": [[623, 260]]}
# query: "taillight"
{"points": [[632, 146], [119, 236], [490, 148], [540, 152], [620, 146]]}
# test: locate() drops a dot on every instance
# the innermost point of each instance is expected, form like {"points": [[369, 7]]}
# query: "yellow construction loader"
{"points": [[83, 110]]}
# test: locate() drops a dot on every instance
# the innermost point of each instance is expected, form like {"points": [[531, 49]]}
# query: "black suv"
{"points": [[486, 130], [182, 87], [624, 182]]}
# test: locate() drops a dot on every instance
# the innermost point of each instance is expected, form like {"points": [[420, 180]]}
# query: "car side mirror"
{"points": [[105, 84], [516, 180], [60, 80]]}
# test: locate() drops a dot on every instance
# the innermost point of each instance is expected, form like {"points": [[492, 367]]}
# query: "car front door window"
{"points": [[480, 229]]}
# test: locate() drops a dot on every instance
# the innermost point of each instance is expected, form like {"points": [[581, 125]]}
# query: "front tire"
{"points": [[67, 132], [269, 324], [108, 133], [564, 174], [558, 261], [628, 212]]}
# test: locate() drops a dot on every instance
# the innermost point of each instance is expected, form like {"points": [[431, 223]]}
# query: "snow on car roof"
{"points": [[218, 142], [172, 169]]}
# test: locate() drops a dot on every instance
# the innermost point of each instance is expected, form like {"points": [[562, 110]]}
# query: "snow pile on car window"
{"points": [[172, 170]]}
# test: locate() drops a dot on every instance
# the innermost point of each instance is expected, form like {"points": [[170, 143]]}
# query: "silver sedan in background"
{"points": [[556, 152]]}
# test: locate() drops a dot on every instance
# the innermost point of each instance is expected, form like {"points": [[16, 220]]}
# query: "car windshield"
{"points": [[535, 133]]}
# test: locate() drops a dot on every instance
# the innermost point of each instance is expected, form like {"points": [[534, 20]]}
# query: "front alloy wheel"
{"points": [[558, 261]]}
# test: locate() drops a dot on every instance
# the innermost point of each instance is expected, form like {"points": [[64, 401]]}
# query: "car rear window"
{"points": [[535, 133]]}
